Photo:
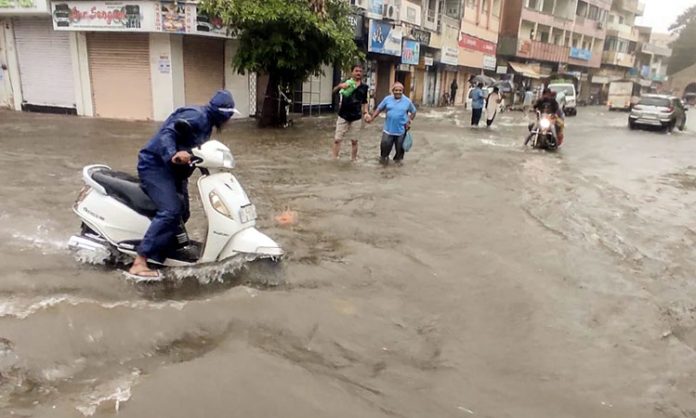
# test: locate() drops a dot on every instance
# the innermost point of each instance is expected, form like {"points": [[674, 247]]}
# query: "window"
{"points": [[533, 4], [496, 7], [582, 9], [594, 13], [485, 7], [654, 101], [544, 37]]}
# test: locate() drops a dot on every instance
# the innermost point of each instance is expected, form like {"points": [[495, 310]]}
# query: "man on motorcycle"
{"points": [[548, 104], [163, 168]]}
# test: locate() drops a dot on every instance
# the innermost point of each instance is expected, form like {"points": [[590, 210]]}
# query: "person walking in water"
{"points": [[350, 112], [453, 91], [400, 113], [477, 101], [492, 102]]}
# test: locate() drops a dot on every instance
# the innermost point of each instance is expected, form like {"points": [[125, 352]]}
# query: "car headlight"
{"points": [[217, 204], [545, 123]]}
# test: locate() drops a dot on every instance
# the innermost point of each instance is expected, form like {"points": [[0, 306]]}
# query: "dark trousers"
{"points": [[170, 195], [476, 116], [389, 142]]}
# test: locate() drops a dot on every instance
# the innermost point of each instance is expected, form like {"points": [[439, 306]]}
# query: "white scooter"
{"points": [[116, 212]]}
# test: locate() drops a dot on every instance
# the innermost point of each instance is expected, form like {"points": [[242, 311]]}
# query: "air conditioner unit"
{"points": [[392, 10], [359, 3], [600, 24]]}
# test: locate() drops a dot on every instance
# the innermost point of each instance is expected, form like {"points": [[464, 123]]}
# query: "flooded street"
{"points": [[479, 279]]}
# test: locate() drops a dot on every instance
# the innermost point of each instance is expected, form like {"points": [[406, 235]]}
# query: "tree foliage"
{"points": [[289, 40], [684, 47]]}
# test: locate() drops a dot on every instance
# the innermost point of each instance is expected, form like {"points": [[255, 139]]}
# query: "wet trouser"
{"points": [[389, 142], [170, 196], [476, 116]]}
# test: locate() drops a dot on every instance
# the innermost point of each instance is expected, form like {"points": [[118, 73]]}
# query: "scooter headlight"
{"points": [[545, 123], [227, 159], [217, 204]]}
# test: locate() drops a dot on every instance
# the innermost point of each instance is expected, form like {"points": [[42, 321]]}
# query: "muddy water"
{"points": [[478, 279]]}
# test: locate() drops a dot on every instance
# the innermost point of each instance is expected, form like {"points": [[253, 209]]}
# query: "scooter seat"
{"points": [[126, 189]]}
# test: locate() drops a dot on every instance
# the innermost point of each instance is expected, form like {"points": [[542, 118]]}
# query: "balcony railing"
{"points": [[622, 59], [631, 6], [622, 31], [542, 51], [546, 19]]}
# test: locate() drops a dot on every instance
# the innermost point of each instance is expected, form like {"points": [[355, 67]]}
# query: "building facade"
{"points": [[540, 37], [127, 60], [621, 45]]}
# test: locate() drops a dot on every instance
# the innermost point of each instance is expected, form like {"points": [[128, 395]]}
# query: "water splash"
{"points": [[216, 272], [22, 309], [109, 396]]}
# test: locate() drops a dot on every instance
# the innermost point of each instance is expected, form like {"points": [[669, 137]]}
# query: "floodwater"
{"points": [[479, 279]]}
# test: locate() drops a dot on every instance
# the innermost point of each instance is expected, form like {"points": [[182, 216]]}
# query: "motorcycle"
{"points": [[116, 212], [543, 133]]}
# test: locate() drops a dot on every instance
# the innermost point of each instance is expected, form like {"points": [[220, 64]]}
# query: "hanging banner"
{"points": [[410, 53], [385, 38]]}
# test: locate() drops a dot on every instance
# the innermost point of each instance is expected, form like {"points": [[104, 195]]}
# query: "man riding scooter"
{"points": [[163, 168]]}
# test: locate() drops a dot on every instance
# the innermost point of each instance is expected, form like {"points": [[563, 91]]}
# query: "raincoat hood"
{"points": [[222, 106]]}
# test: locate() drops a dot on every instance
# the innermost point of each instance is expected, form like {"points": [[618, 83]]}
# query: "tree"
{"points": [[289, 40], [684, 47]]}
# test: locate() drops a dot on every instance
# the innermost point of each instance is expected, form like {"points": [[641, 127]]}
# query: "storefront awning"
{"points": [[526, 70]]}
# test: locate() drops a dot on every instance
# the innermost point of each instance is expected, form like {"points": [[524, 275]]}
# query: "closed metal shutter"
{"points": [[204, 68], [119, 66], [45, 64]]}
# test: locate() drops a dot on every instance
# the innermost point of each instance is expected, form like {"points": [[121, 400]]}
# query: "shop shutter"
{"points": [[204, 68]]}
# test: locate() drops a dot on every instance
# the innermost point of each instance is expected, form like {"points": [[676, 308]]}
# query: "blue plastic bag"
{"points": [[408, 141]]}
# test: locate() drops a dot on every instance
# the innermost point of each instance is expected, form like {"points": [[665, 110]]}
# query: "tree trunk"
{"points": [[270, 112]]}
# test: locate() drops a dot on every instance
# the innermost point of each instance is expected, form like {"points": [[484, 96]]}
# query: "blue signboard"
{"points": [[410, 53], [581, 54], [645, 71], [385, 38]]}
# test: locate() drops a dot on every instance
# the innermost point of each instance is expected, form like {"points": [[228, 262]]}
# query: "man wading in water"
{"points": [[350, 112]]}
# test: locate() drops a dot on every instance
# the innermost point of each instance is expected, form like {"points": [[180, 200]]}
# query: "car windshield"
{"points": [[568, 90], [654, 101]]}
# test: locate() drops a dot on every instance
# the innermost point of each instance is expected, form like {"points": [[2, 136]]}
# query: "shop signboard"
{"points": [[410, 52], [489, 62], [130, 16], [476, 44], [385, 38], [581, 54], [449, 55], [16, 7]]}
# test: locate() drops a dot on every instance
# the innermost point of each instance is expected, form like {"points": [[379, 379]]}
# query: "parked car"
{"points": [[666, 112]]}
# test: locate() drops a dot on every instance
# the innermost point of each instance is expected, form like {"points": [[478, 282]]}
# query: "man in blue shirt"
{"points": [[478, 98], [400, 113]]}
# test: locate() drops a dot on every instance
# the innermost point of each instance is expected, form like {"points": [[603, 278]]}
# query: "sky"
{"points": [[659, 14]]}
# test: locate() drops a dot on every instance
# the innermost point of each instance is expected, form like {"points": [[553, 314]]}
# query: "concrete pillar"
{"points": [[12, 65], [81, 78], [236, 83], [177, 57], [5, 84], [162, 75]]}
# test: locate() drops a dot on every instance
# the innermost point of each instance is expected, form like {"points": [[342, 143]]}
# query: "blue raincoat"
{"points": [[166, 183]]}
